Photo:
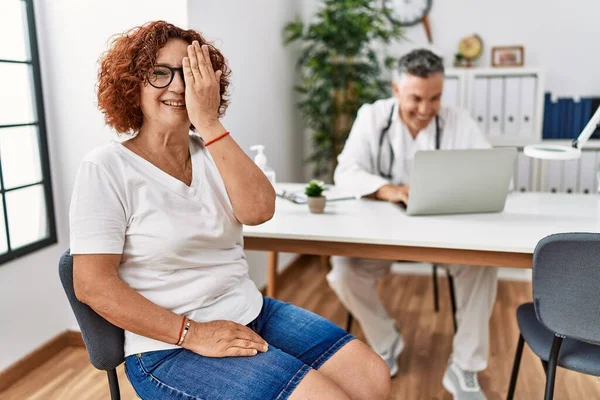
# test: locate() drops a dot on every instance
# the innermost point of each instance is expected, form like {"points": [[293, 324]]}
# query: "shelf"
{"points": [[506, 71], [490, 71], [500, 141]]}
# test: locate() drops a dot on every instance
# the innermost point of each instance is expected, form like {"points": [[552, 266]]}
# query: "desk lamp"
{"points": [[557, 152]]}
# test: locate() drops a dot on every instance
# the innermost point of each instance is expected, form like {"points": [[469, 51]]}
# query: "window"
{"points": [[27, 210]]}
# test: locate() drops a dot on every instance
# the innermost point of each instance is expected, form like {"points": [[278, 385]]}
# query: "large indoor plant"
{"points": [[340, 70]]}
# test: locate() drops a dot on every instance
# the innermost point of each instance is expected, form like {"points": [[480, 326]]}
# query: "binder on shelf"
{"points": [[548, 112], [586, 113], [552, 179], [555, 121], [523, 173], [588, 171], [481, 103], [451, 93], [568, 122], [496, 114], [577, 124], [528, 105], [512, 105], [570, 176], [563, 131]]}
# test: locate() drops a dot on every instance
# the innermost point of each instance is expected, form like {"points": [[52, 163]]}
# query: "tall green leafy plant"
{"points": [[340, 70]]}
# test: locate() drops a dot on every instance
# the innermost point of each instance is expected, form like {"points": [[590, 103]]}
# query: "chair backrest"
{"points": [[566, 284], [103, 340]]}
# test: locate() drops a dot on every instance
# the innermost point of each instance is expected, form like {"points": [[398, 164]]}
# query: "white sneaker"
{"points": [[391, 356], [463, 385]]}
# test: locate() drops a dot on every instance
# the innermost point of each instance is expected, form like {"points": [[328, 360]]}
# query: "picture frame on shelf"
{"points": [[508, 56]]}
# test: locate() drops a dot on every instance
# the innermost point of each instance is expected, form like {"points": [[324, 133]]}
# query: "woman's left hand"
{"points": [[202, 88]]}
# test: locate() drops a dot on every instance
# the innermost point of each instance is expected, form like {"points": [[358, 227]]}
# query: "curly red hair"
{"points": [[124, 66]]}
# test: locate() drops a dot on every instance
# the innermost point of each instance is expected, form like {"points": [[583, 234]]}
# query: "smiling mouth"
{"points": [[174, 104]]}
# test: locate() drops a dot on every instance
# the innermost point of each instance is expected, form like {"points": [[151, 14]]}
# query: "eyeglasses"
{"points": [[161, 76]]}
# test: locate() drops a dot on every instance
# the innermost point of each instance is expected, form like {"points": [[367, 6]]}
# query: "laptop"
{"points": [[460, 181]]}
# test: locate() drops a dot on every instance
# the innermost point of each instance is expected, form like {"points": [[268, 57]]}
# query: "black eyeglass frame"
{"points": [[172, 70]]}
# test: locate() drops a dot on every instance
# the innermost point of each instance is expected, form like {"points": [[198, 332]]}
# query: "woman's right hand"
{"points": [[223, 339]]}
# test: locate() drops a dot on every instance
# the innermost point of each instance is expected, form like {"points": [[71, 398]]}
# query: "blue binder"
{"points": [[548, 110], [555, 121], [561, 132], [576, 126], [586, 114]]}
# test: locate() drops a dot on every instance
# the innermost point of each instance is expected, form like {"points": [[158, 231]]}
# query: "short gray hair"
{"points": [[421, 62]]}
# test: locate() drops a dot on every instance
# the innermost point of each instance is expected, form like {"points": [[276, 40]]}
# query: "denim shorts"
{"points": [[299, 341]]}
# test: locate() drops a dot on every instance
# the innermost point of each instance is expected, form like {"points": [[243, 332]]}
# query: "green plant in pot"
{"points": [[341, 69], [316, 200]]}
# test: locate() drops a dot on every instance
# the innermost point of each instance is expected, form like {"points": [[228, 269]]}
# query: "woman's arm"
{"points": [[250, 192], [97, 284], [252, 195]]}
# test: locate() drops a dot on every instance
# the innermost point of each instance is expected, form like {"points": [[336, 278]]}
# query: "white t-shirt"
{"points": [[362, 160], [182, 247]]}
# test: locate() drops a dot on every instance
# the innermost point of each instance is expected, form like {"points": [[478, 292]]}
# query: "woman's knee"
{"points": [[359, 371], [377, 373], [316, 385]]}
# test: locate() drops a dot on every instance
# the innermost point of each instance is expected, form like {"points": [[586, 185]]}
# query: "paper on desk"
{"points": [[299, 197]]}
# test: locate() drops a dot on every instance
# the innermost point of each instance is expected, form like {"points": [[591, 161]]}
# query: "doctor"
{"points": [[377, 162]]}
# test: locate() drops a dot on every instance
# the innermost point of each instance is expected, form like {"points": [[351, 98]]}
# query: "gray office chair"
{"points": [[103, 341], [436, 300], [562, 325]]}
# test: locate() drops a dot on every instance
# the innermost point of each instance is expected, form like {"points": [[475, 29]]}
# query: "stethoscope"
{"points": [[384, 133]]}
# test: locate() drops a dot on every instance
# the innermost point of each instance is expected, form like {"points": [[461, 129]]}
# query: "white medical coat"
{"points": [[358, 171]]}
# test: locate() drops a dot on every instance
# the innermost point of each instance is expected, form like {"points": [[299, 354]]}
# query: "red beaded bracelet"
{"points": [[215, 139]]}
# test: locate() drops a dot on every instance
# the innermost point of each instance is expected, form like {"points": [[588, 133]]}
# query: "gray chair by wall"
{"points": [[562, 325], [103, 341]]}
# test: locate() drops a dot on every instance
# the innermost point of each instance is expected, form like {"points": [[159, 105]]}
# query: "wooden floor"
{"points": [[422, 363]]}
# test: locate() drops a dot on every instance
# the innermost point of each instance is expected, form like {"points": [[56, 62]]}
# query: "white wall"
{"points": [[558, 36], [263, 104], [72, 35]]}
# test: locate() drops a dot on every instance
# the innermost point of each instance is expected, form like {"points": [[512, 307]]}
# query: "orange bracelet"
{"points": [[215, 139], [181, 329], [188, 322]]}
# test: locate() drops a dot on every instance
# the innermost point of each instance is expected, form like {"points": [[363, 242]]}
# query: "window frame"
{"points": [[46, 181]]}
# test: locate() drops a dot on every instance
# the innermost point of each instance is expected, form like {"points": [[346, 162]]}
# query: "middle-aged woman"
{"points": [[156, 234]]}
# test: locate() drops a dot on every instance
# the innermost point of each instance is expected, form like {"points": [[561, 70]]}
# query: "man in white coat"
{"points": [[377, 162]]}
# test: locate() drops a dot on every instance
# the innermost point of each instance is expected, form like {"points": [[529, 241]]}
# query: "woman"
{"points": [[156, 234]]}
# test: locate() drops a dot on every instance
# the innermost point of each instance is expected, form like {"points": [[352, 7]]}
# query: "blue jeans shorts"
{"points": [[299, 341]]}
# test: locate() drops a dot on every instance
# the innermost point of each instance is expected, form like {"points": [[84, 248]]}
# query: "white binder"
{"points": [[553, 176], [496, 116], [512, 105], [588, 171], [528, 104], [451, 93], [481, 101], [570, 176], [523, 173]]}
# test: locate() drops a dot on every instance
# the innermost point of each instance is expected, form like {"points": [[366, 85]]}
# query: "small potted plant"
{"points": [[314, 192]]}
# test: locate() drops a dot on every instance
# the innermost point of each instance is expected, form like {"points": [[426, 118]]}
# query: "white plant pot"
{"points": [[316, 205]]}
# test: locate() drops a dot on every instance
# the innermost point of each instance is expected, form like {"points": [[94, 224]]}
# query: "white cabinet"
{"points": [[508, 106], [588, 170], [572, 176], [506, 103]]}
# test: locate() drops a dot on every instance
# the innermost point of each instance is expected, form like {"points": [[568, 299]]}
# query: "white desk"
{"points": [[374, 229]]}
